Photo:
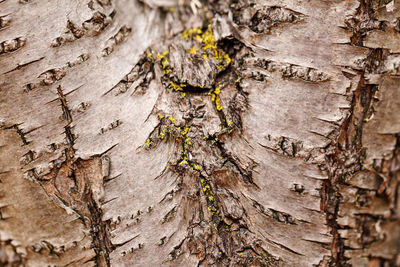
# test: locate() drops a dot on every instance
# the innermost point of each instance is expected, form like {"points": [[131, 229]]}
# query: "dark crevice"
{"points": [[246, 175], [20, 66], [99, 231], [20, 133], [79, 195], [348, 146]]}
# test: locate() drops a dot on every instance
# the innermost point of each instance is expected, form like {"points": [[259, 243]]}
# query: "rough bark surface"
{"points": [[199, 133]]}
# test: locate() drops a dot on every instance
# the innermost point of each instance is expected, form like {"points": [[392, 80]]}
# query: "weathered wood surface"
{"points": [[199, 133]]}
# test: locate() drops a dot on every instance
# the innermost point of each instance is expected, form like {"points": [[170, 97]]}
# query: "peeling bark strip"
{"points": [[199, 133], [77, 186]]}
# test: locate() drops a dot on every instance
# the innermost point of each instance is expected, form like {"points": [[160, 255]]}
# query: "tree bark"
{"points": [[200, 133]]}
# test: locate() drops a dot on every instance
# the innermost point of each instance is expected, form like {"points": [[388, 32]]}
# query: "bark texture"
{"points": [[200, 133]]}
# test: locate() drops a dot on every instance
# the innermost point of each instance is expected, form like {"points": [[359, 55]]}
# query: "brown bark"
{"points": [[199, 133]]}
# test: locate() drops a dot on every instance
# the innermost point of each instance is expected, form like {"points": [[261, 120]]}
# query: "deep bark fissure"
{"points": [[349, 141], [80, 196]]}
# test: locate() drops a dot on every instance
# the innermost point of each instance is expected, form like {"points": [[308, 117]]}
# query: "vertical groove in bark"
{"points": [[80, 193], [100, 231], [77, 185], [87, 176], [347, 157]]}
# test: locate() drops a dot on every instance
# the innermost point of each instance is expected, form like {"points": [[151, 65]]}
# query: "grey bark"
{"points": [[199, 133]]}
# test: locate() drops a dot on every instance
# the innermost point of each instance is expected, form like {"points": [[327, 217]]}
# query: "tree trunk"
{"points": [[200, 133]]}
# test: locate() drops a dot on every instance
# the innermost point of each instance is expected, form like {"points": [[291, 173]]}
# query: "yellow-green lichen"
{"points": [[191, 33], [192, 50], [207, 38], [148, 142], [209, 194], [185, 131], [164, 63], [172, 119], [176, 87], [208, 46], [161, 56], [183, 162], [216, 98]]}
